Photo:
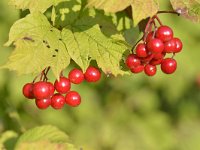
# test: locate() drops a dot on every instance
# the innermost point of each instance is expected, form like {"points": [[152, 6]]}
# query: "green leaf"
{"points": [[84, 42], [190, 9], [38, 45], [44, 133], [34, 5], [143, 9], [44, 137], [109, 5]]}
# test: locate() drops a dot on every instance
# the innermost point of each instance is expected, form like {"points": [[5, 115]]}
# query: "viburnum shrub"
{"points": [[59, 32]]}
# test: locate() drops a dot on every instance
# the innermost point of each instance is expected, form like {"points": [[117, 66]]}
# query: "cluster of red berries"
{"points": [[152, 51], [44, 92]]}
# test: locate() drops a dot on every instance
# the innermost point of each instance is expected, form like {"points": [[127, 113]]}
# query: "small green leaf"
{"points": [[190, 9], [34, 5], [143, 9], [109, 5]]}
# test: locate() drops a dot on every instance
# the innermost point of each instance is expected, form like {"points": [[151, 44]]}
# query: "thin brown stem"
{"points": [[159, 21], [46, 73], [168, 12]]}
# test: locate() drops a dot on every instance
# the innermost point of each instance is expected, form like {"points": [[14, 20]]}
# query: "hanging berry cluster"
{"points": [[151, 49], [58, 94]]}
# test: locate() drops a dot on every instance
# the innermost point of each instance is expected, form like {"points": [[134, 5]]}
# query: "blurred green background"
{"points": [[126, 113]]}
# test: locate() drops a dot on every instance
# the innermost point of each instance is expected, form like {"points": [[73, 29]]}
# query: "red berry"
{"points": [[28, 90], [43, 103], [179, 45], [148, 58], [51, 88], [150, 70], [63, 85], [41, 90], [132, 61], [159, 56], [92, 74], [141, 50], [137, 69], [168, 65], [155, 62], [73, 98], [76, 76], [164, 33], [57, 101], [170, 46], [149, 36], [155, 46]]}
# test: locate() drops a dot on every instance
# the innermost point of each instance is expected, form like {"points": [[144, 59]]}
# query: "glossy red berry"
{"points": [[28, 90], [164, 33], [57, 101], [155, 46], [147, 59], [73, 98], [63, 85], [92, 74], [141, 50], [132, 61], [137, 69], [159, 56], [51, 88], [43, 103], [150, 70], [170, 46], [169, 65], [179, 45], [41, 90], [76, 76], [155, 62]]}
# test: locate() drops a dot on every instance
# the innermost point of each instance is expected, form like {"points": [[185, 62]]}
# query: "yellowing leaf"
{"points": [[109, 5], [38, 45], [143, 9], [190, 9], [34, 5]]}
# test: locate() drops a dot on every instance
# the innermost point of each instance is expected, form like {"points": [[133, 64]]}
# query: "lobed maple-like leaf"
{"points": [[37, 46]]}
